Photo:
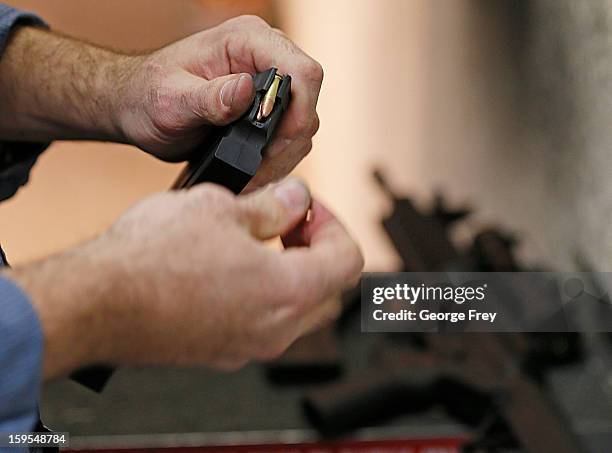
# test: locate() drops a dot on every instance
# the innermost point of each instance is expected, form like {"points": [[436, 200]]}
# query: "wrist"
{"points": [[135, 87], [54, 87], [74, 295], [124, 94]]}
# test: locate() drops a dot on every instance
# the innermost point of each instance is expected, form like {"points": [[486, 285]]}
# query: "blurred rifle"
{"points": [[477, 379], [422, 239], [487, 381]]}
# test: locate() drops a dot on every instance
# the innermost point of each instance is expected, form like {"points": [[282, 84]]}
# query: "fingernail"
{"points": [[293, 194], [228, 91]]}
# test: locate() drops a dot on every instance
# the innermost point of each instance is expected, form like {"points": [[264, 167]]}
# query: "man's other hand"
{"points": [[186, 278], [174, 95]]}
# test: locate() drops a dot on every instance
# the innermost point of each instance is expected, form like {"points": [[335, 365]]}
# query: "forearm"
{"points": [[54, 87], [73, 295]]}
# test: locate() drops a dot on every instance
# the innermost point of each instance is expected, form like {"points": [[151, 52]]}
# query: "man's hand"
{"points": [[176, 93], [185, 278], [53, 87]]}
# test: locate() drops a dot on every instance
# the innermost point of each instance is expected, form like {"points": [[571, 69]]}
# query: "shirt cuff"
{"points": [[16, 162], [21, 357], [9, 17], [16, 159]]}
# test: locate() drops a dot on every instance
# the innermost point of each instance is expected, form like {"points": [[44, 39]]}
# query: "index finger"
{"points": [[322, 256]]}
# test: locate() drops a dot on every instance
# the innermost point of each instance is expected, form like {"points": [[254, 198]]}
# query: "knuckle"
{"points": [[314, 125], [273, 216], [281, 32], [220, 115], [335, 312], [223, 115], [305, 127], [220, 196], [216, 198], [306, 149], [272, 349], [162, 101], [303, 151], [251, 20], [312, 70], [302, 126], [355, 262], [213, 191], [211, 108], [232, 364]]}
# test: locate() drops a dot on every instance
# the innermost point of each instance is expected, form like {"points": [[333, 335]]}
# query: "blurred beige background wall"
{"points": [[504, 105]]}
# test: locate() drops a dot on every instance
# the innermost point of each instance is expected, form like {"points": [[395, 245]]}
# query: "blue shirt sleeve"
{"points": [[10, 17], [21, 338], [16, 158], [21, 354]]}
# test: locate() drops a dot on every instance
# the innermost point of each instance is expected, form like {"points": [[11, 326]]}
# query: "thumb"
{"points": [[224, 99], [276, 209]]}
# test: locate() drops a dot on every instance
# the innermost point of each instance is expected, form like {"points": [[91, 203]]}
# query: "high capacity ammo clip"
{"points": [[234, 154]]}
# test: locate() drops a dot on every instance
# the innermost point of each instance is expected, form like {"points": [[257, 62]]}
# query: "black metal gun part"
{"points": [[234, 154]]}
